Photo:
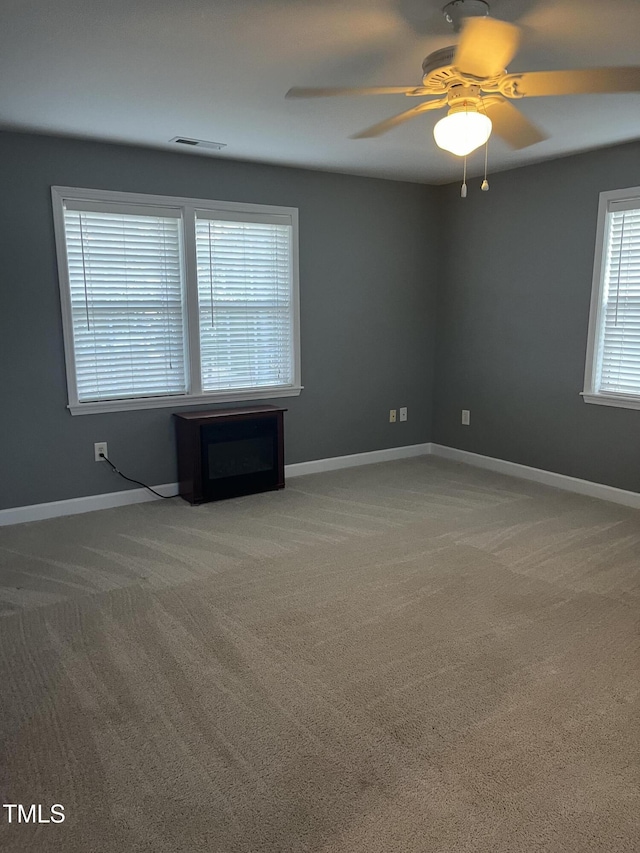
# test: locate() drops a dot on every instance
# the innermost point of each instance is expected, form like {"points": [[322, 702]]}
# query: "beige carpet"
{"points": [[414, 657]]}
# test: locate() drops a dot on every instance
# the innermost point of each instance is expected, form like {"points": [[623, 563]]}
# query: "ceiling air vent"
{"points": [[198, 143]]}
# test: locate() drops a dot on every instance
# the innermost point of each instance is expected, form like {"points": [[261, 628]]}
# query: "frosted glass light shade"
{"points": [[462, 132]]}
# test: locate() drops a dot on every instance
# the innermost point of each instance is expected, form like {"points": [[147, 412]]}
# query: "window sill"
{"points": [[621, 402], [134, 405]]}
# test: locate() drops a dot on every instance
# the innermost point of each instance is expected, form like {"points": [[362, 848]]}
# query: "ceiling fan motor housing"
{"points": [[438, 59], [437, 68]]}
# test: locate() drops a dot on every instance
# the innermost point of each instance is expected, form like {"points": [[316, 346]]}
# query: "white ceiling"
{"points": [[145, 71]]}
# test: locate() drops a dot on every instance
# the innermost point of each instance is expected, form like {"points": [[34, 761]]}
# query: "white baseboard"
{"points": [[316, 466], [539, 475], [74, 506]]}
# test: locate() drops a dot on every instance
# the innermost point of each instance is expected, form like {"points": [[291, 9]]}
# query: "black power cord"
{"points": [[137, 482]]}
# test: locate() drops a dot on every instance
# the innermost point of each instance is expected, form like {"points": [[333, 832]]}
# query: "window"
{"points": [[612, 376], [171, 301]]}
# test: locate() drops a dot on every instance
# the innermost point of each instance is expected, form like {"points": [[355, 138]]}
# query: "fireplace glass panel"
{"points": [[239, 457]]}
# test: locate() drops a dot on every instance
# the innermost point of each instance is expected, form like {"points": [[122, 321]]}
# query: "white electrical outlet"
{"points": [[466, 417], [392, 416], [100, 447], [403, 413]]}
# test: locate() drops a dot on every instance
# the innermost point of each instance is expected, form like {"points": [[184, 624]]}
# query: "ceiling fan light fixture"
{"points": [[463, 131]]}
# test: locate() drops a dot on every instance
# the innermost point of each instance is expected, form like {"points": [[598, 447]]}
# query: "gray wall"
{"points": [[513, 273], [368, 270], [513, 309]]}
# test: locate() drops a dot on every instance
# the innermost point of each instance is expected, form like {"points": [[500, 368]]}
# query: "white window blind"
{"points": [[618, 356], [170, 301], [126, 297], [245, 293]]}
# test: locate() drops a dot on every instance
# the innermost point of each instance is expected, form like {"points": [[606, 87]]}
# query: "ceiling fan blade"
{"points": [[509, 123], [486, 47], [297, 92], [586, 81], [394, 121]]}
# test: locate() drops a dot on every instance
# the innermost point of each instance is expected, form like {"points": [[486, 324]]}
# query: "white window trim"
{"points": [[590, 394], [188, 208]]}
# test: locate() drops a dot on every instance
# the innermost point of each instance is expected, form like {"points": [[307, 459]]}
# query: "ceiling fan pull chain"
{"points": [[463, 191], [485, 184]]}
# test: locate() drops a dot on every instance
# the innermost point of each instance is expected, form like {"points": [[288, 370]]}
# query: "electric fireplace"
{"points": [[230, 452]]}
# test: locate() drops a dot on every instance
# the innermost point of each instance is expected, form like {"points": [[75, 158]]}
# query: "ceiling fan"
{"points": [[472, 81]]}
